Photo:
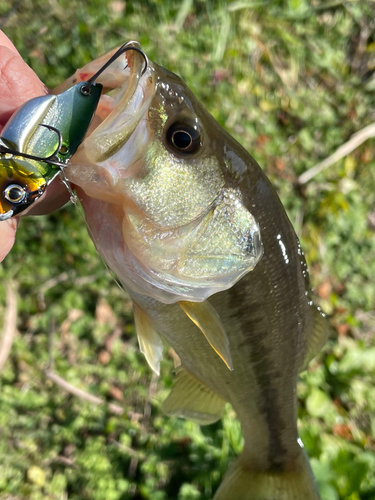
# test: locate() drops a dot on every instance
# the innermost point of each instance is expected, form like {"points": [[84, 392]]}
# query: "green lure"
{"points": [[42, 136], [39, 140]]}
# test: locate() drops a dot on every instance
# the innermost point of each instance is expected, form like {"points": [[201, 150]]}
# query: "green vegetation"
{"points": [[292, 81]]}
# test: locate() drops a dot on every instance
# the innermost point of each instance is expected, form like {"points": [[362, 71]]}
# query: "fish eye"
{"points": [[183, 137], [15, 193]]}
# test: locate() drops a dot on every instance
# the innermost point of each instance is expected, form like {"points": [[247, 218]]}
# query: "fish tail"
{"points": [[242, 483]]}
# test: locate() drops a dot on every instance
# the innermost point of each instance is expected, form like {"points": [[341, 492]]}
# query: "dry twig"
{"points": [[353, 143], [79, 393], [57, 280], [9, 325]]}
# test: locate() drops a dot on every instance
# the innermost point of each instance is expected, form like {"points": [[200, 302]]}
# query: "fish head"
{"points": [[169, 218]]}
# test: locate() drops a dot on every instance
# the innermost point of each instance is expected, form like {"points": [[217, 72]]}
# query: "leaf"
{"points": [[357, 360], [318, 403]]}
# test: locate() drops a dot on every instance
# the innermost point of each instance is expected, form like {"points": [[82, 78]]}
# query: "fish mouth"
{"points": [[130, 89], [111, 135]]}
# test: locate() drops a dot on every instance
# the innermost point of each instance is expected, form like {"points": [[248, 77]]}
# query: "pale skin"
{"points": [[19, 83]]}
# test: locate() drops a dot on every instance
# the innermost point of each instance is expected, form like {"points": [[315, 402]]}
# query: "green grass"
{"points": [[291, 82]]}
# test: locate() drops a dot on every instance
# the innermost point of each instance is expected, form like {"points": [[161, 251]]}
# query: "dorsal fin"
{"points": [[150, 343], [207, 320]]}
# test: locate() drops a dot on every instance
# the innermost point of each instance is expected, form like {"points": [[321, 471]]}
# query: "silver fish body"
{"points": [[203, 245]]}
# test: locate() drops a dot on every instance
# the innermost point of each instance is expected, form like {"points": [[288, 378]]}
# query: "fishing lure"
{"points": [[42, 136]]}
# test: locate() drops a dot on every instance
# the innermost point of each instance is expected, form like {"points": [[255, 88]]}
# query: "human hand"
{"points": [[18, 84]]}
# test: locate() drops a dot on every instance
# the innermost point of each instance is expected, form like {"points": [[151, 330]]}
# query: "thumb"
{"points": [[18, 82], [7, 236]]}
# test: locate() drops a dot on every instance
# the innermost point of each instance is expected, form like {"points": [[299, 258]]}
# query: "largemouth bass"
{"points": [[193, 229]]}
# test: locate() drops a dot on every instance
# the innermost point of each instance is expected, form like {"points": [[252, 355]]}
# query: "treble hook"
{"points": [[124, 48], [48, 159], [59, 135]]}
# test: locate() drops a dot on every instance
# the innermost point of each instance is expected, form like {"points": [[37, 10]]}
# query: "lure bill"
{"points": [[42, 136]]}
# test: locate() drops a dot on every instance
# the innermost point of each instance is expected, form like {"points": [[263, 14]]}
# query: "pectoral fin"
{"points": [[208, 321], [317, 337], [193, 400], [150, 343]]}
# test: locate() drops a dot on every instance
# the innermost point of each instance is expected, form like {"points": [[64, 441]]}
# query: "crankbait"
{"points": [[42, 136]]}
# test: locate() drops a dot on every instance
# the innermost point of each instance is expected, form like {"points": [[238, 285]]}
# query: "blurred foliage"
{"points": [[292, 80]]}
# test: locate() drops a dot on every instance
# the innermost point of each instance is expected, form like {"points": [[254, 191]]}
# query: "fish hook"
{"points": [[48, 159], [124, 48], [59, 135]]}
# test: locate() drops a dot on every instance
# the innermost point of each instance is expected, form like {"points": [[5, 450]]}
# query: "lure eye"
{"points": [[15, 193], [183, 138]]}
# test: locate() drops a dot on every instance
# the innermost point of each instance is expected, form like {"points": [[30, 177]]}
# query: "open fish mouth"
{"points": [[103, 158], [128, 89], [128, 103]]}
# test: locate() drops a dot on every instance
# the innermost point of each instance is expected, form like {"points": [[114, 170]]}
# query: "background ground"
{"points": [[291, 80]]}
